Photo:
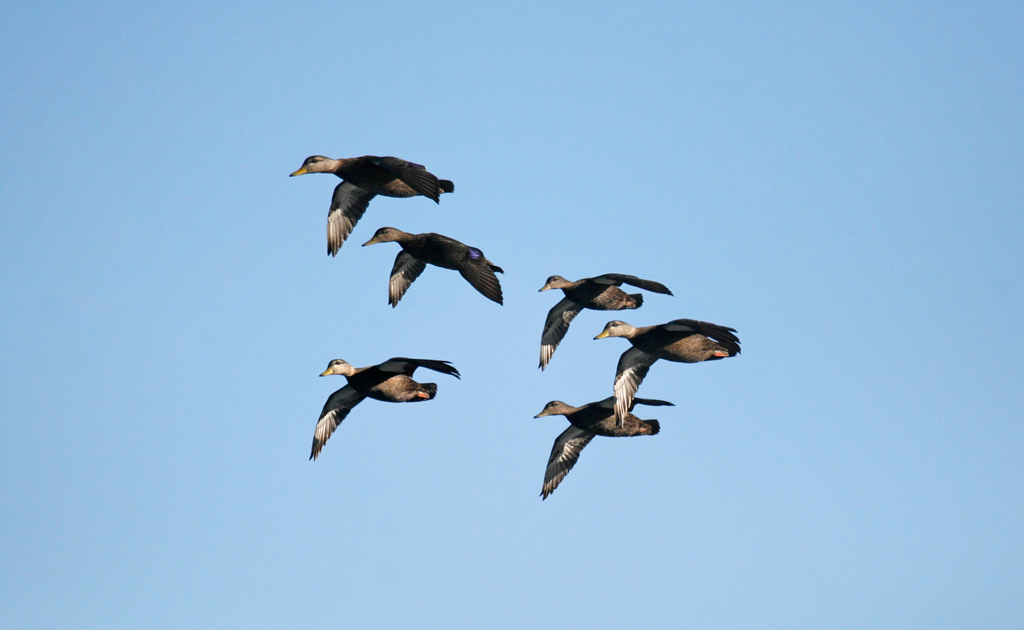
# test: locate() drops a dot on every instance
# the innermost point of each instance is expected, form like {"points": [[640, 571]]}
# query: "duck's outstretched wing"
{"points": [[651, 402], [479, 272], [347, 207], [555, 327], [403, 365], [630, 372], [609, 403], [335, 410], [722, 334], [564, 454], [620, 278], [407, 268], [414, 175]]}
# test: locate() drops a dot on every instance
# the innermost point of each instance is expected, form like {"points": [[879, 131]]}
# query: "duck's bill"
{"points": [[301, 171], [604, 333], [372, 241]]}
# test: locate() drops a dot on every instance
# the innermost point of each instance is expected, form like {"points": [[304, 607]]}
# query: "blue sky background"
{"points": [[842, 184]]}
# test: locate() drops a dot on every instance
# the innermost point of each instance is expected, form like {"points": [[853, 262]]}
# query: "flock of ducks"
{"points": [[680, 340]]}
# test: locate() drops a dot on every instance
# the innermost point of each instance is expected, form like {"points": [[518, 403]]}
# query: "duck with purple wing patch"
{"points": [[419, 250], [364, 178], [390, 381], [680, 340], [592, 419], [601, 293]]}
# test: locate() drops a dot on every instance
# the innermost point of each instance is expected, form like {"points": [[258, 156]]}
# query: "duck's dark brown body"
{"points": [[379, 385], [599, 419], [602, 297], [702, 342], [391, 177]]}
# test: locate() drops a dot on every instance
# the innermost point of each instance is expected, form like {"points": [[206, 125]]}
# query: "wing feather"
{"points": [[335, 410], [620, 278], [652, 402], [407, 268], [722, 334], [403, 365], [414, 175], [564, 454], [347, 206], [479, 274], [630, 372], [555, 327], [609, 403]]}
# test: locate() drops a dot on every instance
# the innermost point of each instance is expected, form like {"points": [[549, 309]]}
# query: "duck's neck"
{"points": [[567, 410], [569, 286], [330, 166], [348, 371], [636, 332]]}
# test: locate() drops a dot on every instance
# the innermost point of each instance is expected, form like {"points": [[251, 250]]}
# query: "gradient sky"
{"points": [[842, 184]]}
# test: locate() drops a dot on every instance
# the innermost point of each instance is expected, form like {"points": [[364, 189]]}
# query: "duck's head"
{"points": [[555, 282], [555, 408], [337, 366], [616, 329], [316, 164], [385, 235]]}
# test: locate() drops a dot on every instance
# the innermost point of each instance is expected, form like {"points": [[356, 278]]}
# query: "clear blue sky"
{"points": [[841, 184]]}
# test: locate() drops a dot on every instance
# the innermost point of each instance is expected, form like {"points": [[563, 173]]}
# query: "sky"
{"points": [[840, 183]]}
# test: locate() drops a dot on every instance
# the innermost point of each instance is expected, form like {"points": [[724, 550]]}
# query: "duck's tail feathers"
{"points": [[430, 389], [655, 427], [638, 300], [445, 185]]}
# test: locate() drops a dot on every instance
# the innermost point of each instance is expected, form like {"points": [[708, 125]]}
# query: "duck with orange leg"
{"points": [[680, 340], [390, 381]]}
